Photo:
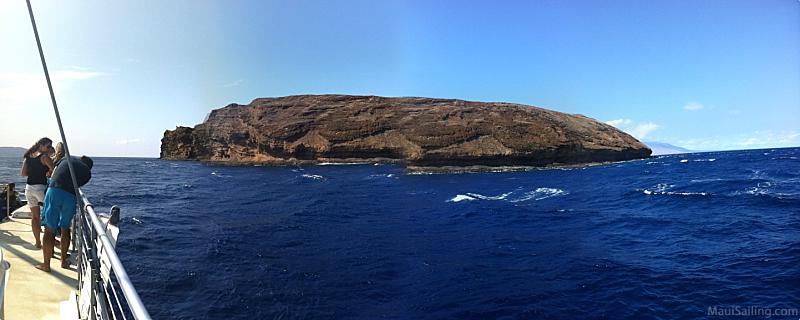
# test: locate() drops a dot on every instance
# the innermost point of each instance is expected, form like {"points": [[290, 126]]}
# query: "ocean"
{"points": [[669, 237]]}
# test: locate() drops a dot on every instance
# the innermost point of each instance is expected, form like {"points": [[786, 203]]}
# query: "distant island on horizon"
{"points": [[663, 148], [417, 132]]}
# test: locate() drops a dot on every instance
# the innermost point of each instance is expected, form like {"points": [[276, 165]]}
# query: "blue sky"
{"points": [[706, 75]]}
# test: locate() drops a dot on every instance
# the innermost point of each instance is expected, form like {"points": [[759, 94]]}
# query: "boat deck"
{"points": [[32, 293]]}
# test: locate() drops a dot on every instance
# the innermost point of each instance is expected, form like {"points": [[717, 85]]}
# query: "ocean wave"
{"points": [[384, 175], [461, 197], [663, 189], [756, 191], [782, 191], [219, 175], [767, 189], [420, 173], [535, 195], [540, 194]]}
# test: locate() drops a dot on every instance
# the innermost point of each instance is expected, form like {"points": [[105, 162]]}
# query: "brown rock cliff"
{"points": [[413, 131]]}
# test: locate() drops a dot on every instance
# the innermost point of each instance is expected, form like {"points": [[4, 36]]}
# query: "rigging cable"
{"points": [[53, 99]]}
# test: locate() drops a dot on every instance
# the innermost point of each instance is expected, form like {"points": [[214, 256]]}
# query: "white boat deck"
{"points": [[32, 293]]}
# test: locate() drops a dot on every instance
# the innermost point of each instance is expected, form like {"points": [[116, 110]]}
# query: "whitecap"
{"points": [[338, 163], [540, 194], [313, 176], [658, 189], [662, 189], [760, 190], [535, 195], [384, 175], [476, 196], [684, 161], [461, 197], [687, 193], [498, 197]]}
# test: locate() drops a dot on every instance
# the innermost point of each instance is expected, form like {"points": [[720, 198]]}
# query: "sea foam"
{"points": [[513, 196]]}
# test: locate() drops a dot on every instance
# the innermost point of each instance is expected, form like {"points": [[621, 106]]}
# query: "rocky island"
{"points": [[419, 132]]}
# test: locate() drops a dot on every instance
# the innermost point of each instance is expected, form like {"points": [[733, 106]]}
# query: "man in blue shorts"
{"points": [[59, 207]]}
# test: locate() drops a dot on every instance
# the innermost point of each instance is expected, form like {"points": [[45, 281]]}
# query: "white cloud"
{"points": [[128, 141], [640, 130], [232, 84], [619, 122], [693, 106]]}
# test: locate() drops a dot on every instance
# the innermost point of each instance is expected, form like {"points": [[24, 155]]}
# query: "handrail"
{"points": [[10, 192], [135, 304]]}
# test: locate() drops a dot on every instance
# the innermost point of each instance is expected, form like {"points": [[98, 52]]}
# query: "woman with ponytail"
{"points": [[37, 166], [59, 153]]}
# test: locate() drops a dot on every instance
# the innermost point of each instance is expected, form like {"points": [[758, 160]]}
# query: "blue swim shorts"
{"points": [[59, 208]]}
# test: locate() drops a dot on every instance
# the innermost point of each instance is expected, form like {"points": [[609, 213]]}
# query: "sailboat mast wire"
{"points": [[53, 99]]}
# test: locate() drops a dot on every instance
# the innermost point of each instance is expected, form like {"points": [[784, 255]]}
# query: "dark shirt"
{"points": [[61, 178], [36, 170]]}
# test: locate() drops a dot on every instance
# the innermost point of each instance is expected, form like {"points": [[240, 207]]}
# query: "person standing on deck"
{"points": [[37, 166], [59, 206], [57, 155]]}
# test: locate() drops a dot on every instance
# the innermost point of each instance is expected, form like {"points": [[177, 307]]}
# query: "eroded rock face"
{"points": [[413, 131]]}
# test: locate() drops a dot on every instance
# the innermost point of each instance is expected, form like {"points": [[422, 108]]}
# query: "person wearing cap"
{"points": [[59, 206]]}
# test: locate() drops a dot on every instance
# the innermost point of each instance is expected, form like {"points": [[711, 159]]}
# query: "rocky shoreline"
{"points": [[416, 132]]}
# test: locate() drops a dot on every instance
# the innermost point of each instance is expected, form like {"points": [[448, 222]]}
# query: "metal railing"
{"points": [[10, 192], [104, 289]]}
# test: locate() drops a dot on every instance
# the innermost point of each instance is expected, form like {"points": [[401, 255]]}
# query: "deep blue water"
{"points": [[661, 238]]}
